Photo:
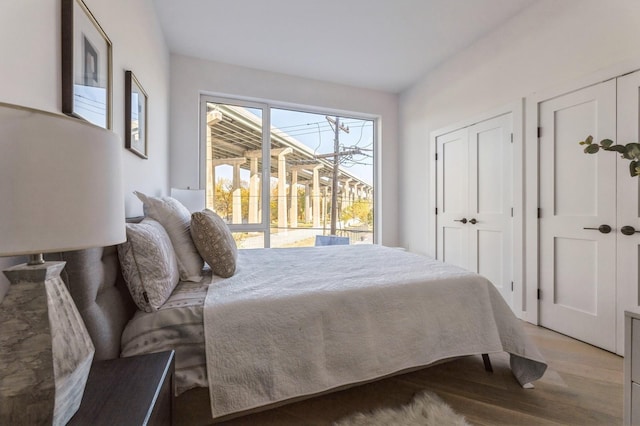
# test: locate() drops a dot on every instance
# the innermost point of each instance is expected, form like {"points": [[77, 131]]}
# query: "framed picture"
{"points": [[135, 115], [86, 65]]}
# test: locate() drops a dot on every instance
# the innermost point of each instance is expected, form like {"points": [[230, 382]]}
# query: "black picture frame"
{"points": [[86, 65], [135, 116]]}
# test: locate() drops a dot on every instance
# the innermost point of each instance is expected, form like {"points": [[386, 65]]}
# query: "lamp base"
{"points": [[45, 350]]}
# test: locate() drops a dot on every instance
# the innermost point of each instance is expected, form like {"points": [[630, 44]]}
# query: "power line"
{"points": [[336, 169]]}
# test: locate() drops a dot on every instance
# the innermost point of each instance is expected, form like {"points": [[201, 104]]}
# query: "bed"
{"points": [[293, 323]]}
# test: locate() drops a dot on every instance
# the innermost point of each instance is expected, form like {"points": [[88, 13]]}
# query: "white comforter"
{"points": [[294, 322]]}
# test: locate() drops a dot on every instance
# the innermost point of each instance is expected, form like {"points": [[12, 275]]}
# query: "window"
{"points": [[282, 177]]}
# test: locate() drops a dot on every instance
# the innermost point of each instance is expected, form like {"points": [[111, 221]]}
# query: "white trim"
{"points": [[265, 179], [266, 106], [531, 211]]}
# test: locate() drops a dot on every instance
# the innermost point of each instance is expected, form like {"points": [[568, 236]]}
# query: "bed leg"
{"points": [[487, 363]]}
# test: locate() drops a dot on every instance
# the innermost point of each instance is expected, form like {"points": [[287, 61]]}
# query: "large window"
{"points": [[281, 177]]}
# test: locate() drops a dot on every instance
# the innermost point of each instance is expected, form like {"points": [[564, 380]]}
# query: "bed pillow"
{"points": [[148, 264], [176, 219], [214, 242]]}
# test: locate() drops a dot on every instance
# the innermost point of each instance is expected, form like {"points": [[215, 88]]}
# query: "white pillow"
{"points": [[176, 219], [148, 264]]}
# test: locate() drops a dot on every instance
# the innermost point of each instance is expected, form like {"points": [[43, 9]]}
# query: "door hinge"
{"points": [[511, 211], [511, 137], [539, 294], [539, 131], [511, 285], [436, 210], [539, 213], [436, 156]]}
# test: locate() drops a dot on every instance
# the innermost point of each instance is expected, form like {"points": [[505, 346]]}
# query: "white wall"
{"points": [[549, 44], [30, 75], [190, 77]]}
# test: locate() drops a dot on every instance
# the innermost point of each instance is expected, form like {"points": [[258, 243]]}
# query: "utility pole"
{"points": [[336, 170]]}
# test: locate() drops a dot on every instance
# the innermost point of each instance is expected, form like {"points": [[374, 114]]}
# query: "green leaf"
{"points": [[616, 148], [632, 151], [591, 149], [588, 140], [606, 143]]}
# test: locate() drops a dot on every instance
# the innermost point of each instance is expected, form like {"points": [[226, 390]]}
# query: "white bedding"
{"points": [[176, 325], [295, 322]]}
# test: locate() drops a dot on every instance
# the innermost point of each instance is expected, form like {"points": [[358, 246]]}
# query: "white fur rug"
{"points": [[426, 409]]}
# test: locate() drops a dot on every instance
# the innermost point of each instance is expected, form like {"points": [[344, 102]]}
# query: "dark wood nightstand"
{"points": [[136, 390]]}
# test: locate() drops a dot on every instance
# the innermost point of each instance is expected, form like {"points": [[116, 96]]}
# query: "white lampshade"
{"points": [[61, 189], [192, 199], [61, 186]]}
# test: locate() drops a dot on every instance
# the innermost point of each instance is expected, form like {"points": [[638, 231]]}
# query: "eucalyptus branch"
{"points": [[630, 151]]}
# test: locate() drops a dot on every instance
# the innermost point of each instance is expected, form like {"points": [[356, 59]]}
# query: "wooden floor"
{"points": [[582, 386]]}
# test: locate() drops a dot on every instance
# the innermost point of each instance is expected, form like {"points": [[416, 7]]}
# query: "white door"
{"points": [[628, 214], [453, 197], [474, 199], [577, 195], [490, 202]]}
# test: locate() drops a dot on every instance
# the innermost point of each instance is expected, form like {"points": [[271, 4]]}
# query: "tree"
{"points": [[223, 203], [360, 210]]}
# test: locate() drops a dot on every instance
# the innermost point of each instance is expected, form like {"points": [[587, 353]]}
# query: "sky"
{"points": [[317, 133]]}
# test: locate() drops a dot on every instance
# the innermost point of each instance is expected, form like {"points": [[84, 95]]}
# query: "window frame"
{"points": [[265, 226]]}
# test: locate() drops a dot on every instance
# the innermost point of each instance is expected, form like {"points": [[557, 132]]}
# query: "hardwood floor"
{"points": [[582, 386]]}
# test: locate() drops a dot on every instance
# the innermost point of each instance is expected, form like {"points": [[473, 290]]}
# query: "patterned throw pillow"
{"points": [[214, 242], [175, 218], [148, 264]]}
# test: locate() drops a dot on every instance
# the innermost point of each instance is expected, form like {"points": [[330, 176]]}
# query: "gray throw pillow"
{"points": [[214, 242], [148, 264]]}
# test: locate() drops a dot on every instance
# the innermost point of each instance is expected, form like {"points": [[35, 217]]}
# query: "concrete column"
{"points": [[254, 191], [213, 117], [346, 193], [359, 191], [282, 185], [316, 196], [307, 207], [237, 198], [255, 188], [325, 200], [236, 205], [293, 191]]}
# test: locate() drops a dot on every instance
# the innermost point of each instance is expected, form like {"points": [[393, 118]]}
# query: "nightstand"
{"points": [[631, 368], [135, 390]]}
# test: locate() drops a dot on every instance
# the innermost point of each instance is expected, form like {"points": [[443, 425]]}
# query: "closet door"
{"points": [[628, 214], [490, 202], [577, 195], [453, 198], [474, 199]]}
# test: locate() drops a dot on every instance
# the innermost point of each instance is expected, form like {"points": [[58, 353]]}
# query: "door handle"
{"points": [[463, 220], [473, 221], [605, 229], [628, 230]]}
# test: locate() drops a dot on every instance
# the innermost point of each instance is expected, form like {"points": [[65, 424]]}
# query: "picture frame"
{"points": [[86, 66], [135, 116]]}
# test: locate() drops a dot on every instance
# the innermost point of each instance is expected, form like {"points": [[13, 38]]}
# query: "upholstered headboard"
{"points": [[96, 285]]}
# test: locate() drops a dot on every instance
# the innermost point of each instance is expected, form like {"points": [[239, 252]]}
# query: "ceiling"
{"points": [[385, 45]]}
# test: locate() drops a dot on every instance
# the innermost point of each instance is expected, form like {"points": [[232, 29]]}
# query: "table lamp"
{"points": [[61, 189], [192, 199]]}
